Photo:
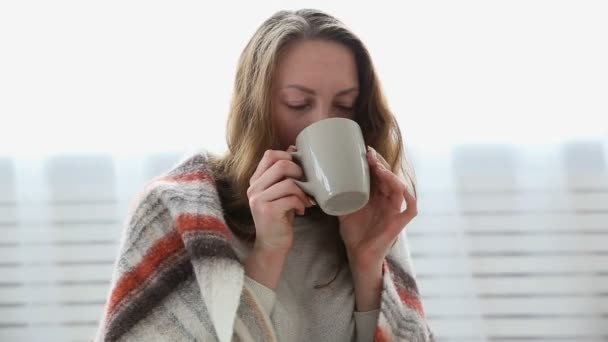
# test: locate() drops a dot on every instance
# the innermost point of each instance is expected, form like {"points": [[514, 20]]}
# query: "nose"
{"points": [[321, 113]]}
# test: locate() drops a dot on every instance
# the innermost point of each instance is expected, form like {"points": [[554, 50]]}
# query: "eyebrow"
{"points": [[310, 91]]}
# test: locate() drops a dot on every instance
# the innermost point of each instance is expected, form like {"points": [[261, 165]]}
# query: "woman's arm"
{"points": [[368, 286], [265, 266]]}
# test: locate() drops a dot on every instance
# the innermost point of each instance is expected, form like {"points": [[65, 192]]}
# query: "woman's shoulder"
{"points": [[189, 178], [190, 163], [191, 166]]}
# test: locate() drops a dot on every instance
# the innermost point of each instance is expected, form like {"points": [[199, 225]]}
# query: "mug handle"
{"points": [[305, 186]]}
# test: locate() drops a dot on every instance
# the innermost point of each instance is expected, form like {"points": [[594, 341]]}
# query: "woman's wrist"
{"points": [[265, 265], [368, 286]]}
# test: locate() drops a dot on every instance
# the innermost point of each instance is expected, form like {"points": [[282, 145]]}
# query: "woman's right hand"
{"points": [[274, 199]]}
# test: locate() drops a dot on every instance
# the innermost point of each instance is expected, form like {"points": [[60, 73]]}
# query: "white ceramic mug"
{"points": [[333, 155]]}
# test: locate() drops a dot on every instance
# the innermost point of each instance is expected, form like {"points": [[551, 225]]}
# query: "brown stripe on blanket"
{"points": [[208, 244], [405, 285], [402, 279], [176, 269], [251, 314], [160, 251]]}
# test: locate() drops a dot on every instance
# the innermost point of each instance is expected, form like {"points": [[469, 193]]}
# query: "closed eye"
{"points": [[307, 106], [298, 107]]}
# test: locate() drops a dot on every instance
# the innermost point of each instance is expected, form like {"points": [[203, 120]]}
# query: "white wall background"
{"points": [[130, 76], [504, 106]]}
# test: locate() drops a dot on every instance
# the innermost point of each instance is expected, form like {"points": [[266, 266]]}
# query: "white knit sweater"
{"points": [[298, 311]]}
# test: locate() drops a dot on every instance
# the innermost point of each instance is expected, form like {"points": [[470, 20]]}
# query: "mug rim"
{"points": [[322, 120]]}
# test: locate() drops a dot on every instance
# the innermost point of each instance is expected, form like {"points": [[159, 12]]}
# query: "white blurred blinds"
{"points": [[511, 242]]}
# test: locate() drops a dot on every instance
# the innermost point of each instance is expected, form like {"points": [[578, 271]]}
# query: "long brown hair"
{"points": [[250, 131]]}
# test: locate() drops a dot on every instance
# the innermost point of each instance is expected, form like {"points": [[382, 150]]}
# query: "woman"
{"points": [[229, 248]]}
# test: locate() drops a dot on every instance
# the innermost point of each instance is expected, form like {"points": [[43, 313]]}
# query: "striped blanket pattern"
{"points": [[177, 277]]}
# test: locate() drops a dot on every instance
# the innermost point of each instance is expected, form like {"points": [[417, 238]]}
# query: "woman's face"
{"points": [[315, 80]]}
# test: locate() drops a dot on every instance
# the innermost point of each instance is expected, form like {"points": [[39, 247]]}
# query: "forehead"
{"points": [[316, 64]]}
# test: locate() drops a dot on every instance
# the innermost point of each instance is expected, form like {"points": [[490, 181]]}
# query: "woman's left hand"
{"points": [[370, 232]]}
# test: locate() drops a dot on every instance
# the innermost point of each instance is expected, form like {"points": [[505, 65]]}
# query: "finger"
{"points": [[285, 204], [284, 188], [270, 158], [278, 171], [376, 176], [411, 211], [378, 157], [395, 186], [411, 202], [374, 162], [312, 200], [401, 220]]}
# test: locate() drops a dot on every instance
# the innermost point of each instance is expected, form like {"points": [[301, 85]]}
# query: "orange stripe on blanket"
{"points": [[406, 297], [380, 335], [189, 177], [206, 223], [410, 300], [161, 251]]}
